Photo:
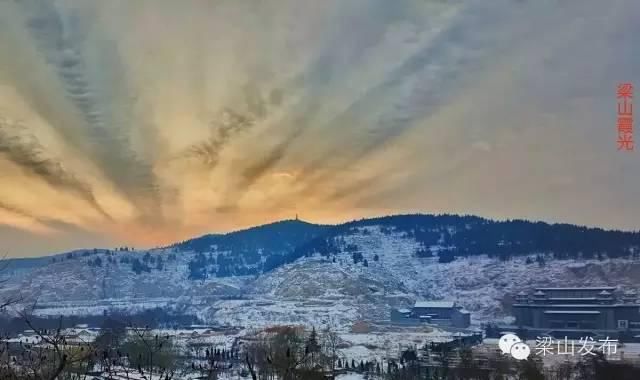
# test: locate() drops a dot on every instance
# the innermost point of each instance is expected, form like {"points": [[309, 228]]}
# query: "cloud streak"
{"points": [[29, 154], [170, 119], [58, 37]]}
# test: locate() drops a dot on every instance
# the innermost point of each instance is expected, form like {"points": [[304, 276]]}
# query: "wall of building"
{"points": [[460, 319], [607, 319], [437, 313]]}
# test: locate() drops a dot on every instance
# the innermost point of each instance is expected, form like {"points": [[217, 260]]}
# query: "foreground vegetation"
{"points": [[279, 353]]}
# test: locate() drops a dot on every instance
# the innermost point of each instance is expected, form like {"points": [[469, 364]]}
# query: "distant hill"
{"points": [[16, 266], [263, 248], [252, 251], [361, 268], [276, 236], [451, 236]]}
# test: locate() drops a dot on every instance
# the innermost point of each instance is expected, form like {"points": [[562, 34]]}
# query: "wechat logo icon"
{"points": [[512, 345]]}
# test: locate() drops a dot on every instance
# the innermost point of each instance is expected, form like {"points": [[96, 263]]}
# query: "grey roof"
{"points": [[572, 312], [435, 304], [581, 288]]}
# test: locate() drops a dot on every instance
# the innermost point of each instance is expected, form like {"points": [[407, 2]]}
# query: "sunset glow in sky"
{"points": [[144, 122]]}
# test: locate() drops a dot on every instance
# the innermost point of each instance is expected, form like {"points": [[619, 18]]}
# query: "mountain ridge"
{"points": [[327, 227], [364, 267]]}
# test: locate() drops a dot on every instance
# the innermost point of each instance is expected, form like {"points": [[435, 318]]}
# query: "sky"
{"points": [[141, 123]]}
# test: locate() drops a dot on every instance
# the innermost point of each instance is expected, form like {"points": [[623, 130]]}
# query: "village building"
{"points": [[442, 313], [571, 311]]}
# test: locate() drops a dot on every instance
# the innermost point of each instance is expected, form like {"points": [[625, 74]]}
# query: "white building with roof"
{"points": [[439, 312]]}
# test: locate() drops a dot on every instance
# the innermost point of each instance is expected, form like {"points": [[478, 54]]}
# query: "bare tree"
{"points": [[47, 355], [151, 354], [285, 353], [211, 361], [330, 348]]}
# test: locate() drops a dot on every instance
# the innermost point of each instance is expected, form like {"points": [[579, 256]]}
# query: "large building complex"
{"points": [[585, 309]]}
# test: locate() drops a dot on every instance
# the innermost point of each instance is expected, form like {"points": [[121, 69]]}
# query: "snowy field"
{"points": [[350, 376]]}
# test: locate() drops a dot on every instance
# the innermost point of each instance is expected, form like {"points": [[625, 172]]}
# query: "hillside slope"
{"points": [[299, 271]]}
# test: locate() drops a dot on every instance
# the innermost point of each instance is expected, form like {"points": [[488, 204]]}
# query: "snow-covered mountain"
{"points": [[294, 271]]}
